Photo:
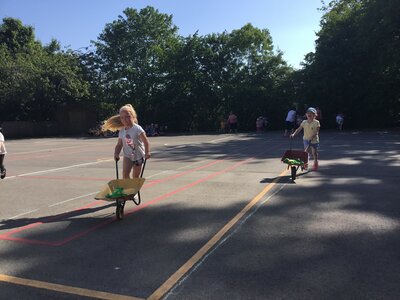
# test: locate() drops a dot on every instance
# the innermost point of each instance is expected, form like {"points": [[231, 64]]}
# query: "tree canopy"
{"points": [[356, 65], [191, 83], [35, 80]]}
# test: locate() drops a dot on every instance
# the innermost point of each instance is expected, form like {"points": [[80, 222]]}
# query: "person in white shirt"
{"points": [[3, 152], [340, 121], [290, 121]]}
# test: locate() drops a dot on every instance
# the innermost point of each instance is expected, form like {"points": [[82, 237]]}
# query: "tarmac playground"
{"points": [[220, 218]]}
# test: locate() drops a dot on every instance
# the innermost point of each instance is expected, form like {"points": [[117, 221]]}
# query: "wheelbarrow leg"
{"points": [[119, 211], [138, 200], [293, 172]]}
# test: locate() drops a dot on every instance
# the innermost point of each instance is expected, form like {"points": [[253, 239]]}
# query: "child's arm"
{"points": [[296, 132], [117, 150]]}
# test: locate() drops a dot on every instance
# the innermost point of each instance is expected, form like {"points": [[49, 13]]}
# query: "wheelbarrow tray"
{"points": [[296, 154], [130, 188]]}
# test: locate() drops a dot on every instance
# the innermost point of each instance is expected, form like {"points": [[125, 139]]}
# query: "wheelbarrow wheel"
{"points": [[293, 171], [119, 211]]}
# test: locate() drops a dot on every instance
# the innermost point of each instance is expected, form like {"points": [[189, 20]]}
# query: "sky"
{"points": [[74, 23]]}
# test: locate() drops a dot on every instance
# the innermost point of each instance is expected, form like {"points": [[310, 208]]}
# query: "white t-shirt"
{"points": [[339, 119], [133, 146], [291, 116], [2, 146]]}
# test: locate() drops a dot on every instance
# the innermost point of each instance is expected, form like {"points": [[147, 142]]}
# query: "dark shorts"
{"points": [[233, 126], [138, 162], [289, 125]]}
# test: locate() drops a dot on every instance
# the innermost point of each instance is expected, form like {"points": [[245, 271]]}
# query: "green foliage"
{"points": [[356, 66], [188, 83], [16, 37], [35, 80], [130, 51]]}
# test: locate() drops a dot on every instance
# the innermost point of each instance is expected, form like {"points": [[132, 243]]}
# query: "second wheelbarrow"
{"points": [[295, 159]]}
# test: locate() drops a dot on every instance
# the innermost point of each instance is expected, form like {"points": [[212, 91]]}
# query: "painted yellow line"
{"points": [[64, 288], [169, 284]]}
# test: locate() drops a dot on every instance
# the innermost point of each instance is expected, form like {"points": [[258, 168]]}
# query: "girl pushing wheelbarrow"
{"points": [[133, 142]]}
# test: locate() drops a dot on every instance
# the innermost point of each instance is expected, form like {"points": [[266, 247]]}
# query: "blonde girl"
{"points": [[132, 140]]}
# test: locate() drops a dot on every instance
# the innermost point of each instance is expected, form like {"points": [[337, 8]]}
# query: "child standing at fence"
{"points": [[132, 140], [2, 155], [311, 128]]}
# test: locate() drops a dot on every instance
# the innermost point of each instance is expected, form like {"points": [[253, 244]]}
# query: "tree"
{"points": [[35, 80], [355, 68], [129, 52]]}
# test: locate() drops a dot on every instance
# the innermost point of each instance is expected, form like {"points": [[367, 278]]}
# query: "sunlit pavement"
{"points": [[218, 220]]}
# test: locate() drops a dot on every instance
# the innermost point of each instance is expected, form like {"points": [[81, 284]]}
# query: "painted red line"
{"points": [[181, 174], [142, 206], [7, 235], [46, 220], [151, 183], [187, 186], [63, 178], [28, 241], [85, 232]]}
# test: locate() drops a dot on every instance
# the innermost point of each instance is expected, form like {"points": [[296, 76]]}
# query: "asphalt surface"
{"points": [[219, 219]]}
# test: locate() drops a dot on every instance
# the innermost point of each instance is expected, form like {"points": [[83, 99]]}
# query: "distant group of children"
{"points": [[155, 129]]}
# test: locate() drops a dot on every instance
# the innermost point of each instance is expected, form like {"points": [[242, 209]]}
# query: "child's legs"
{"points": [[136, 171], [137, 168], [314, 153], [307, 146], [127, 165]]}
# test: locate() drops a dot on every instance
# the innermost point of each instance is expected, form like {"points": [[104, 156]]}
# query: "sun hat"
{"points": [[312, 110]]}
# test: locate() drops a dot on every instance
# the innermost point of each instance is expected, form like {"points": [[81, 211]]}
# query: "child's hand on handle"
{"points": [[116, 157], [147, 155]]}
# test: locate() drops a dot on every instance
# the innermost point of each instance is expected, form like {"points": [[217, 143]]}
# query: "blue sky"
{"points": [[74, 23]]}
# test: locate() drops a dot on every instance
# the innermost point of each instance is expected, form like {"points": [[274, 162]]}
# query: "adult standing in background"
{"points": [[340, 121], [232, 122], [290, 121]]}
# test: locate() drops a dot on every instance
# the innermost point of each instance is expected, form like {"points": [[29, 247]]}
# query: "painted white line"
{"points": [[71, 199], [25, 213], [43, 150], [157, 174], [58, 169]]}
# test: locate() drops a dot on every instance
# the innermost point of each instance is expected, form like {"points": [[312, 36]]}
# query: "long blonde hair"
{"points": [[114, 123]]}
